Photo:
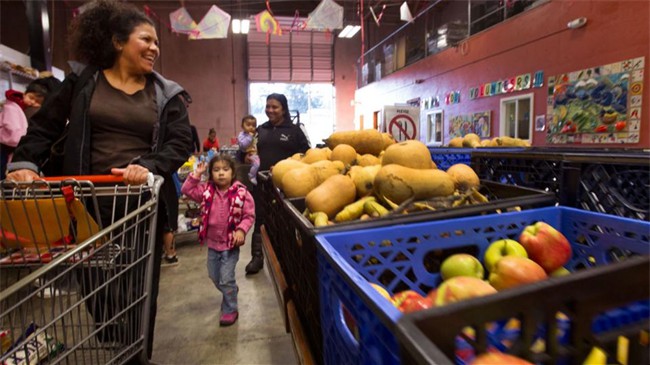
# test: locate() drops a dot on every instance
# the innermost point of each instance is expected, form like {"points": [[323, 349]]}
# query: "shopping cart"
{"points": [[76, 267]]}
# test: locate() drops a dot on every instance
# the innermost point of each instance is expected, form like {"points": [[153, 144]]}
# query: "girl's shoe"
{"points": [[228, 319]]}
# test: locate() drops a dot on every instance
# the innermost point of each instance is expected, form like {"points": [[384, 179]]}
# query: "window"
{"points": [[310, 104], [434, 127], [516, 119]]}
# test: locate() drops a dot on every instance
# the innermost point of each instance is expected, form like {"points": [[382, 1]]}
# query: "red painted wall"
{"points": [[212, 71], [535, 40]]}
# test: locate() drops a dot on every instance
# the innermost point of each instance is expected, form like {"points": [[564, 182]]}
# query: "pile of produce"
{"points": [[366, 174], [472, 140], [540, 252]]}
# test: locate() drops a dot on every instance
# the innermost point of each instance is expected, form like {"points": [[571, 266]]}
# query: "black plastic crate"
{"points": [[591, 300], [612, 181], [274, 213], [531, 169], [298, 254], [617, 183]]}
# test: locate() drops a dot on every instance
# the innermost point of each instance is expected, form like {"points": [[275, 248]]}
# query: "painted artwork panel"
{"points": [[592, 106], [460, 125], [481, 123]]}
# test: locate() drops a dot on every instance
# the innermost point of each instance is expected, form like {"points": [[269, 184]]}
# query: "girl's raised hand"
{"points": [[200, 169]]}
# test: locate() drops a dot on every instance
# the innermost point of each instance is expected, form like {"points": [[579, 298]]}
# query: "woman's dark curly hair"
{"points": [[92, 31]]}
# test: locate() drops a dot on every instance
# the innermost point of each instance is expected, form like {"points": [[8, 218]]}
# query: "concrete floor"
{"points": [[187, 324]]}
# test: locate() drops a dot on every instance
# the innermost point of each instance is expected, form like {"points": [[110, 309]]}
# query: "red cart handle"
{"points": [[95, 179]]}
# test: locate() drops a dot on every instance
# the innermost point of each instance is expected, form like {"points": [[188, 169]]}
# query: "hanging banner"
{"points": [[214, 25], [328, 15]]}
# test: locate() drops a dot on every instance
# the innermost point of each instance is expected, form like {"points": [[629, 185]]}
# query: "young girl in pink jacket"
{"points": [[227, 212]]}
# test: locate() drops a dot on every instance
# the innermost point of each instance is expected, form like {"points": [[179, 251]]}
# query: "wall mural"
{"points": [[478, 123], [596, 105]]}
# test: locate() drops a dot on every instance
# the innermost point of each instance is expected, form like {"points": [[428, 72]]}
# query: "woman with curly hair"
{"points": [[124, 119]]}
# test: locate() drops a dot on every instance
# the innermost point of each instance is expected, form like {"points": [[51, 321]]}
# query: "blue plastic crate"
{"points": [[445, 157], [408, 257]]}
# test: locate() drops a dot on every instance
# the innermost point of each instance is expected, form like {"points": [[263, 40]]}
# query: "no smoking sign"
{"points": [[402, 127]]}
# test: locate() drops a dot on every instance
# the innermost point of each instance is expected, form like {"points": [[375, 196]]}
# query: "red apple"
{"points": [[410, 301], [498, 358], [546, 246], [459, 288], [512, 271]]}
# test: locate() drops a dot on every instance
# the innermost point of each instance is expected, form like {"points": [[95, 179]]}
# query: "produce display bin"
{"points": [[298, 254], [615, 181], [409, 256], [444, 157], [597, 301], [274, 213]]}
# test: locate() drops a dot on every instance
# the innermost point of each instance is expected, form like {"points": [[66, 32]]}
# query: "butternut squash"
{"points": [[363, 178], [368, 160], [327, 168], [411, 153], [363, 141], [464, 177], [331, 196], [344, 153], [299, 182], [315, 154], [399, 183], [388, 139], [456, 142], [471, 140], [282, 167]]}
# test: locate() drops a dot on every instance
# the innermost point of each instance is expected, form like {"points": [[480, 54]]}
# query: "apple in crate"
{"points": [[546, 246], [461, 264], [512, 271], [498, 358], [384, 293], [460, 288], [410, 301], [501, 248]]}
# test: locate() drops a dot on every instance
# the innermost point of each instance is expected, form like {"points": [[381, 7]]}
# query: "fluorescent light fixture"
{"points": [[236, 26], [245, 26], [349, 31]]}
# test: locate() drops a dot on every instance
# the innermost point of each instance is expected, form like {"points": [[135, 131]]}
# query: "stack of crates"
{"points": [[360, 326]]}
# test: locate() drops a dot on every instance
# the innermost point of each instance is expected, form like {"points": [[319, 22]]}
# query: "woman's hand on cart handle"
{"points": [[23, 175], [132, 174]]}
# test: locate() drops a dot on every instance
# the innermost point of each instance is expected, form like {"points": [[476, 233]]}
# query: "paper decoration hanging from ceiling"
{"points": [[182, 22], [405, 13], [214, 25], [266, 23], [327, 15]]}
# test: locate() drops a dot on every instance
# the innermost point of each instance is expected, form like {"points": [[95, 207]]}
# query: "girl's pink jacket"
{"points": [[216, 237]]}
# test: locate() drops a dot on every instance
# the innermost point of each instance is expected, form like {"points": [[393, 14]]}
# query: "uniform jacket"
{"points": [[275, 143], [171, 141]]}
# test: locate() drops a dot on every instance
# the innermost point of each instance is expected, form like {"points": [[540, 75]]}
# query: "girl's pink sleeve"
{"points": [[193, 188], [248, 213]]}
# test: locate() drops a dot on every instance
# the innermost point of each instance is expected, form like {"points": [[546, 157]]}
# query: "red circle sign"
{"points": [[402, 127]]}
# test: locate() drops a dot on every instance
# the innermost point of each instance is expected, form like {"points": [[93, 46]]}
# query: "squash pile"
{"points": [[472, 140], [366, 174]]}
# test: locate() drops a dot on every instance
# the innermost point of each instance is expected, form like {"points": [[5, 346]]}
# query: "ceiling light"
{"points": [[236, 26], [245, 26], [349, 31]]}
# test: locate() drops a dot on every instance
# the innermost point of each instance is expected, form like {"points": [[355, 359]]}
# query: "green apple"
{"points": [[562, 271], [461, 264], [498, 249]]}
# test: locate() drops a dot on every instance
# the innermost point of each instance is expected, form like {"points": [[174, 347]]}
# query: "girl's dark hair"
{"points": [[43, 86], [285, 105], [247, 117], [227, 159], [92, 31]]}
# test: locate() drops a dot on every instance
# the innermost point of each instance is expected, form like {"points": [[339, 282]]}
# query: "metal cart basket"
{"points": [[76, 266]]}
